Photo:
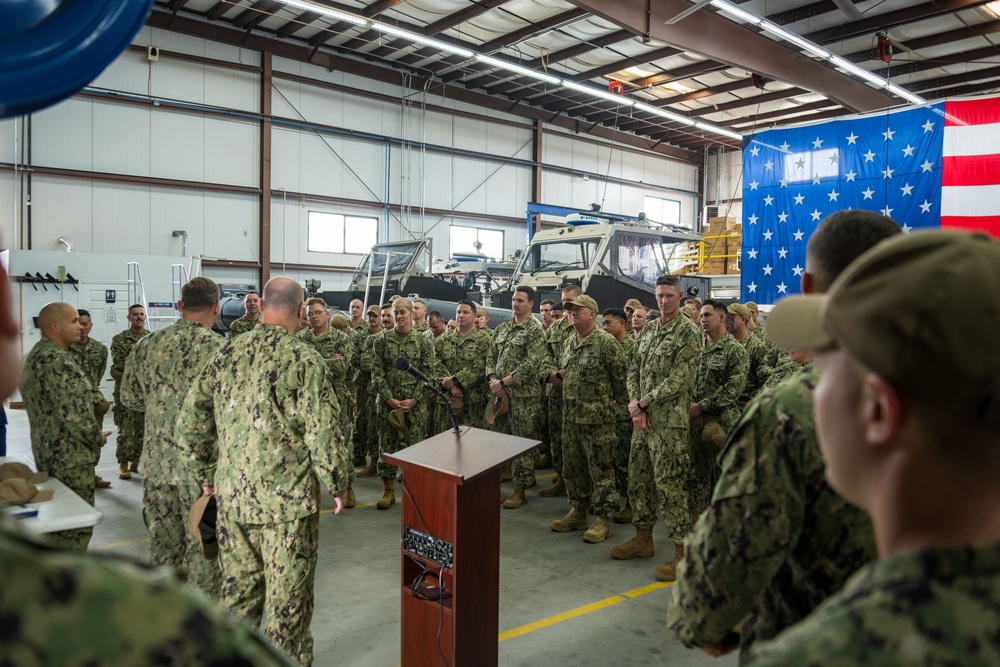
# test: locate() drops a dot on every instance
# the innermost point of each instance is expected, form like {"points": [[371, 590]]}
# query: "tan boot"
{"points": [[100, 482], [600, 531], [371, 469], [516, 499], [668, 572], [544, 461], [388, 494], [134, 466], [123, 472], [558, 488], [625, 516], [506, 474], [531, 482], [576, 519], [350, 502], [640, 546]]}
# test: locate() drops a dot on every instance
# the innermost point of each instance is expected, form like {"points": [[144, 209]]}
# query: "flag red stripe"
{"points": [[970, 170], [984, 223], [972, 112]]}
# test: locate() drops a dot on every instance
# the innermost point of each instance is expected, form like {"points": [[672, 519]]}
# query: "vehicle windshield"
{"points": [[645, 258], [400, 259], [561, 256]]}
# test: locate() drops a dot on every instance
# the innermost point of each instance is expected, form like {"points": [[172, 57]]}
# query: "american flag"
{"points": [[893, 163]]}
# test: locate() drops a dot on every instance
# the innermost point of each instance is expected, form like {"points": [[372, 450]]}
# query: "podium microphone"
{"points": [[402, 364]]}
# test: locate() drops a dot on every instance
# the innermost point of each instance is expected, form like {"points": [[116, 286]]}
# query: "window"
{"points": [[464, 240], [560, 256], [645, 258], [331, 232], [667, 211]]}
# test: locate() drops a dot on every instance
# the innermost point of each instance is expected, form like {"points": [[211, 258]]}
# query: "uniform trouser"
{"points": [[588, 466], [555, 425], [391, 440], [269, 572], [659, 468], [131, 427], [546, 448], [80, 480], [362, 415], [165, 510], [525, 421], [623, 443]]}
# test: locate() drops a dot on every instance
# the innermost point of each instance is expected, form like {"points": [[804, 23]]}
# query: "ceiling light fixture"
{"points": [[816, 50], [517, 69], [420, 39], [326, 11], [603, 94], [993, 8]]}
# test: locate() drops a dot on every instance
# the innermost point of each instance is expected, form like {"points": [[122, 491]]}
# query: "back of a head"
{"points": [[199, 294], [283, 294], [840, 239]]}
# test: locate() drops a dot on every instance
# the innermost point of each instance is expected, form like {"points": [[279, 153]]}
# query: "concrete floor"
{"points": [[562, 601]]}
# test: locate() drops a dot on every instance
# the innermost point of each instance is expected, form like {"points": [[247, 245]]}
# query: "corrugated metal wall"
{"points": [[335, 151]]}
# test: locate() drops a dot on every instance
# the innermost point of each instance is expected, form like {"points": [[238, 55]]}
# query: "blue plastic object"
{"points": [[50, 49]]}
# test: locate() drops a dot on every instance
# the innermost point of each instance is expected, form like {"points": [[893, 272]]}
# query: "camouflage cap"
{"points": [[752, 307], [201, 524], [632, 304], [885, 311], [373, 310], [339, 322], [21, 492], [582, 301], [739, 309]]}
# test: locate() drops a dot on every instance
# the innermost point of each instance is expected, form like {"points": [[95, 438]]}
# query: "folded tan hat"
{"points": [[632, 304], [202, 522], [397, 420], [498, 407], [457, 406], [15, 470], [21, 492], [713, 436]]}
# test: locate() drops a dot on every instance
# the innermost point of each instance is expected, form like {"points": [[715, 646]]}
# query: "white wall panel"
{"points": [[285, 158], [62, 207], [121, 139], [231, 150], [320, 168], [315, 105], [289, 101], [173, 209], [177, 145], [438, 180], [367, 160], [507, 190], [121, 218], [63, 135], [227, 216], [131, 73], [10, 131], [469, 176], [177, 80], [9, 214], [232, 89]]}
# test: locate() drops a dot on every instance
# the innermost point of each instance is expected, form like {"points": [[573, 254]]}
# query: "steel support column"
{"points": [[264, 229]]}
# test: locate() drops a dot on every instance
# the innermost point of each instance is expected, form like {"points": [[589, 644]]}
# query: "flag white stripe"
{"points": [[972, 139], [970, 200]]}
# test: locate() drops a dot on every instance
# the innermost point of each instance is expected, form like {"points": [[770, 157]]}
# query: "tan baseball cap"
{"points": [[752, 307], [632, 304], [582, 301], [739, 309], [16, 491], [373, 310], [885, 311]]}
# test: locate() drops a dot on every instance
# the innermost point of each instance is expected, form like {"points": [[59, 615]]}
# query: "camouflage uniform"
{"points": [[722, 374], [129, 422], [388, 382], [595, 375], [937, 606], [776, 540], [330, 343], [519, 350], [663, 375], [161, 370], [266, 400], [93, 358], [558, 333], [757, 370], [70, 610], [65, 435], [623, 424], [465, 357], [241, 325], [785, 370], [365, 436]]}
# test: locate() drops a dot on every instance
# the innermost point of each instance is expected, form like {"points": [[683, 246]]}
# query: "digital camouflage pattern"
{"points": [[520, 350], [757, 369], [365, 433], [76, 610], [555, 339], [595, 375], [623, 424], [465, 357], [65, 435], [933, 607], [93, 358], [241, 325], [266, 399], [388, 382], [663, 375], [776, 540], [129, 422], [331, 343], [162, 369], [783, 371]]}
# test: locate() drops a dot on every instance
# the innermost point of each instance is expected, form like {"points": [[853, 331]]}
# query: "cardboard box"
{"points": [[715, 266]]}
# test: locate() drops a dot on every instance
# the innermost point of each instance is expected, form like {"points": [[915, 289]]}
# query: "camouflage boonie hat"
{"points": [[21, 492], [582, 301], [201, 524], [397, 420], [713, 436], [885, 311]]}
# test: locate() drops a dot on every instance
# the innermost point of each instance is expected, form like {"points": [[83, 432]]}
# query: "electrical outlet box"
{"points": [[152, 52]]}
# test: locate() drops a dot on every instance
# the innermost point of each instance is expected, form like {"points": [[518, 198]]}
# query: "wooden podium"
{"points": [[451, 536]]}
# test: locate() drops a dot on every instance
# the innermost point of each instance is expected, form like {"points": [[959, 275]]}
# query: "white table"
{"points": [[65, 511]]}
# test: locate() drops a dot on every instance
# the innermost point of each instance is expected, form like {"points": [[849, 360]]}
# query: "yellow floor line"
{"points": [[115, 545]]}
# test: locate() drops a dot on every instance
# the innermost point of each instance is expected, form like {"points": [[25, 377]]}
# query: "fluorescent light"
{"points": [[517, 69], [733, 10], [420, 39], [326, 11], [638, 71], [993, 8], [663, 113], [677, 87], [597, 92]]}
